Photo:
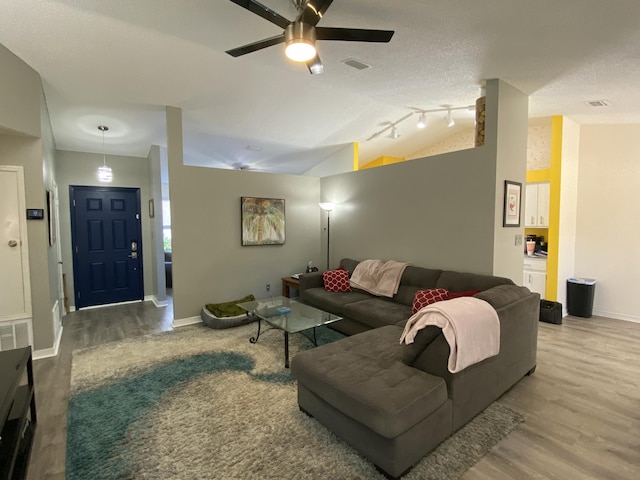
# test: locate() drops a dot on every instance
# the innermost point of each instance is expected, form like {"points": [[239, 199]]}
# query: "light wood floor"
{"points": [[582, 405]]}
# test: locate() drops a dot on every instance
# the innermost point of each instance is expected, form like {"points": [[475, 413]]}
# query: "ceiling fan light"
{"points": [[300, 51], [300, 39]]}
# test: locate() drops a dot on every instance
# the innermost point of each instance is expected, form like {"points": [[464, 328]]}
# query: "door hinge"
{"points": [[137, 216], [76, 249], [74, 202]]}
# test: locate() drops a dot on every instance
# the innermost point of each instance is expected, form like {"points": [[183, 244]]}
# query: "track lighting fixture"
{"points": [[422, 120], [391, 127], [105, 175]]}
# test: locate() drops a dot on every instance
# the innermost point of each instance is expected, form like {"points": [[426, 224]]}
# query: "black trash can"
{"points": [[580, 292]]}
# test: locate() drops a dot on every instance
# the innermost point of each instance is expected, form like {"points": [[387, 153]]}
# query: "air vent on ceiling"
{"points": [[598, 103], [357, 64]]}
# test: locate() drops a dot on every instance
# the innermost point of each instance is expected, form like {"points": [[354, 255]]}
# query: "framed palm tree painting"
{"points": [[262, 221]]}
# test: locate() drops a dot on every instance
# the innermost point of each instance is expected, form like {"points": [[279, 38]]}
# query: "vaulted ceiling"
{"points": [[120, 63]]}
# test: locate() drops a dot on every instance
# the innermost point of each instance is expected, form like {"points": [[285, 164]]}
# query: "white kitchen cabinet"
{"points": [[536, 209], [535, 275]]}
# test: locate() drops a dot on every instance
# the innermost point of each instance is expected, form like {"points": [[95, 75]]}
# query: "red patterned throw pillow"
{"points": [[427, 297], [336, 280]]}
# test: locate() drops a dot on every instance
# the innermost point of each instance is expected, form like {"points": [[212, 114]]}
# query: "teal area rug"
{"points": [[207, 404]]}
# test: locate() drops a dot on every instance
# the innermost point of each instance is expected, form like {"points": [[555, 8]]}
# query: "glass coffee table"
{"points": [[288, 315]]}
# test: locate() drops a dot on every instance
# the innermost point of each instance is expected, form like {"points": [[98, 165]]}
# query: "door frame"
{"points": [[76, 270], [24, 243]]}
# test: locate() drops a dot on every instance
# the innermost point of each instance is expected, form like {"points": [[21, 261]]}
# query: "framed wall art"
{"points": [[263, 221], [512, 204]]}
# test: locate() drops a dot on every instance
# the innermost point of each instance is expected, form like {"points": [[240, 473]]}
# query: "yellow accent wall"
{"points": [[356, 156], [554, 207], [551, 234], [380, 161]]}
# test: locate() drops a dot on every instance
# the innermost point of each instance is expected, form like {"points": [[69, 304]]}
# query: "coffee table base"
{"points": [[314, 340]]}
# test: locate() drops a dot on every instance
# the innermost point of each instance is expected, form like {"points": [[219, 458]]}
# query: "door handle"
{"points": [[13, 243]]}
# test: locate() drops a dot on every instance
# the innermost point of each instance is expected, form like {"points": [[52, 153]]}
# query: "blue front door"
{"points": [[107, 245]]}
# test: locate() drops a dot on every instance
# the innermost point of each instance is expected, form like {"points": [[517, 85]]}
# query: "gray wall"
{"points": [[210, 265], [23, 111], [436, 212], [20, 86], [158, 287], [78, 168]]}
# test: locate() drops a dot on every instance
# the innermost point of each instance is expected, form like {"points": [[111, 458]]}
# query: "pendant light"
{"points": [[105, 175]]}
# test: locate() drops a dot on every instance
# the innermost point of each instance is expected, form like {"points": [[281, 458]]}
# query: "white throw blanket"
{"points": [[470, 326], [378, 277]]}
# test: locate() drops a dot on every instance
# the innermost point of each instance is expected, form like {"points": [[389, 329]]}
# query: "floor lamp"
{"points": [[327, 207]]}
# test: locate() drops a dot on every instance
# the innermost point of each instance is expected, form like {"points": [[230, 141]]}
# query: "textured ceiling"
{"points": [[119, 63]]}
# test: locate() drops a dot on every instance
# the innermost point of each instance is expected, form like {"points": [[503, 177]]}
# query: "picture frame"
{"points": [[262, 221], [152, 209], [512, 204]]}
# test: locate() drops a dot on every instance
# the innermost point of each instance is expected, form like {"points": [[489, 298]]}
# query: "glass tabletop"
{"points": [[288, 314]]}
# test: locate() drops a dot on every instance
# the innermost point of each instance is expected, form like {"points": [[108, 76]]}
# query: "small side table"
{"points": [[287, 284]]}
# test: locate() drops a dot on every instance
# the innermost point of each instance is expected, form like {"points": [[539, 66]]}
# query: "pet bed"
{"points": [[226, 314]]}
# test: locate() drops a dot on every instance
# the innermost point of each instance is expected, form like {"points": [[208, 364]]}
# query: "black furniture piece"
{"points": [[17, 412]]}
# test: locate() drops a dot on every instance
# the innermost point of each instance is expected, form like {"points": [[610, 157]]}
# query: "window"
{"points": [[166, 225]]}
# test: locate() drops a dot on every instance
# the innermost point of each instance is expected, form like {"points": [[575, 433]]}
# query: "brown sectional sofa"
{"points": [[395, 403]]}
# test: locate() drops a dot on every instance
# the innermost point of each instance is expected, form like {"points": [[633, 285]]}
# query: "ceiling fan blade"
{"points": [[314, 11], [353, 34], [315, 65], [264, 12], [255, 46]]}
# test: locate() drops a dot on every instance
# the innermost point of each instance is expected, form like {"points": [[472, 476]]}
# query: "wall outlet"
{"points": [[268, 287], [518, 240]]}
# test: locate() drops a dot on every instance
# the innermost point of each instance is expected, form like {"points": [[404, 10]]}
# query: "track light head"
{"points": [[422, 120], [449, 119], [394, 133]]}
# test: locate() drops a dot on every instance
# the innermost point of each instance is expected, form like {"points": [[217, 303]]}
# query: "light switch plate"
{"points": [[518, 240]]}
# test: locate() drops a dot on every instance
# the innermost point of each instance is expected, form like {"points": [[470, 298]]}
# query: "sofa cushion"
{"points": [[426, 297], [376, 312], [333, 302], [502, 295], [414, 279], [336, 280], [461, 281], [363, 377]]}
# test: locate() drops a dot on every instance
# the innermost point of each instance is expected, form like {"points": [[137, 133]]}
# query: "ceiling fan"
{"points": [[301, 34]]}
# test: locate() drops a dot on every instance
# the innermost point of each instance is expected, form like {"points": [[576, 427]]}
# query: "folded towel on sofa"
{"points": [[378, 277], [470, 326]]}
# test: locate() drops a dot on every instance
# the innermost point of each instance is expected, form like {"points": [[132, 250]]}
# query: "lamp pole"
{"points": [[327, 207], [328, 237]]}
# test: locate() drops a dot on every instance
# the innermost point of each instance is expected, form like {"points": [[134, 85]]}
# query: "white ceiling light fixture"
{"points": [[104, 174], [300, 39], [422, 120]]}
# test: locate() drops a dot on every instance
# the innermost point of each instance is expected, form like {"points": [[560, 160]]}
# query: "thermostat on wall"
{"points": [[35, 213]]}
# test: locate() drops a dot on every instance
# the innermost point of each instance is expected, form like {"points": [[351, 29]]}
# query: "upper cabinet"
{"points": [[537, 205]]}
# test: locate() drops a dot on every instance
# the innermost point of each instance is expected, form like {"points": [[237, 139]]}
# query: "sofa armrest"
{"points": [[310, 280]]}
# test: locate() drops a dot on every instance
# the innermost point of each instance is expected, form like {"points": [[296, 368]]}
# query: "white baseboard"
{"points": [[158, 303], [183, 322], [617, 316], [49, 352]]}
